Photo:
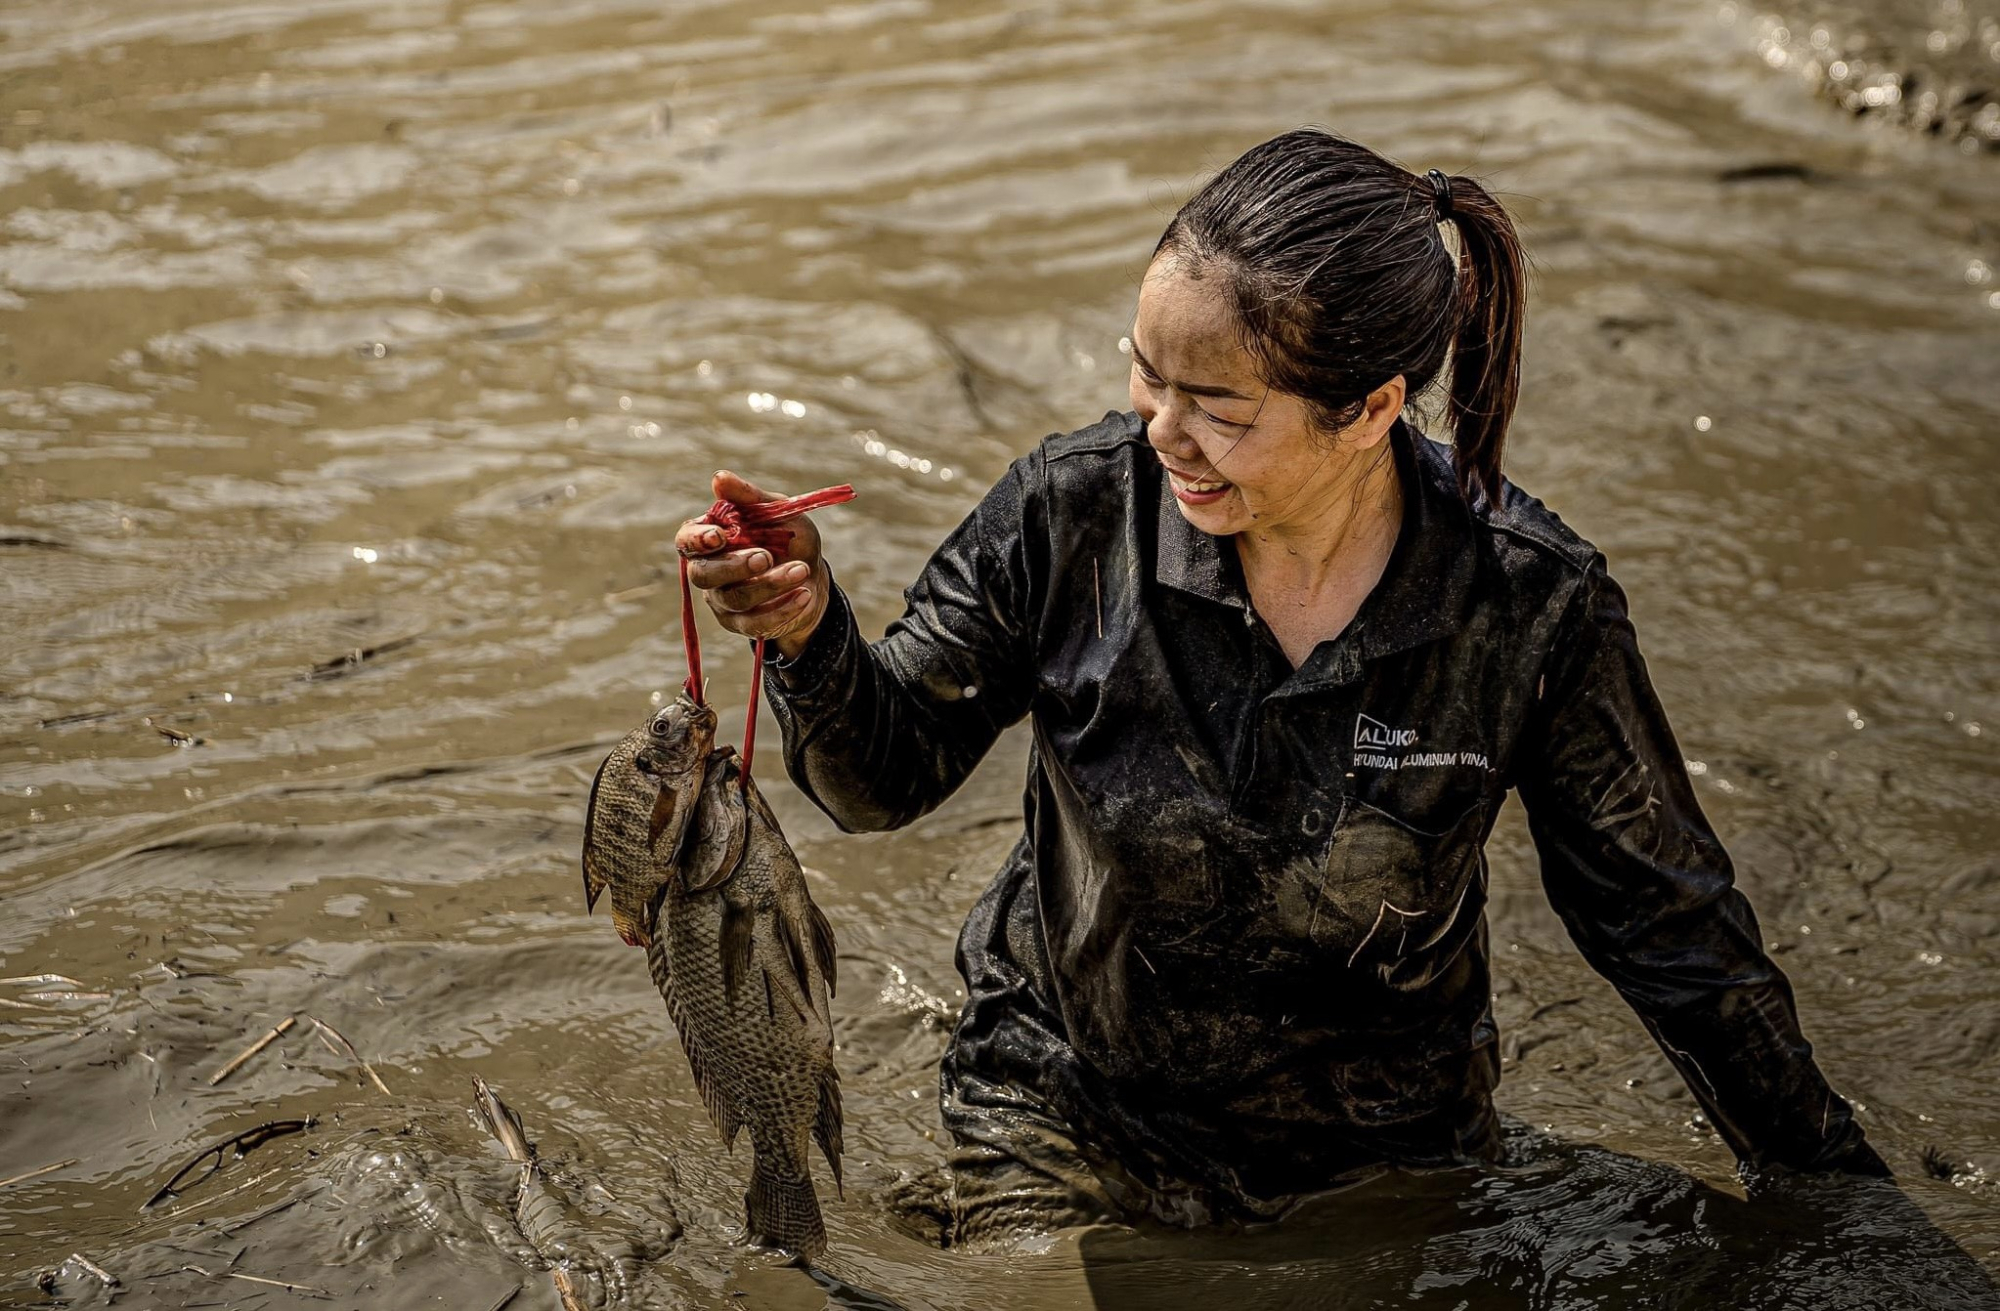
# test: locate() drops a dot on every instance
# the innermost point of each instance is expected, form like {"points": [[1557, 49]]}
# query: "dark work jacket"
{"points": [[1242, 942]]}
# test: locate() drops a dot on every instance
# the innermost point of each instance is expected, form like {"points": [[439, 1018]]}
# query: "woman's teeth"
{"points": [[1204, 485]]}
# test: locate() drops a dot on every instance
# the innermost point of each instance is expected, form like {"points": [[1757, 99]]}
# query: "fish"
{"points": [[641, 802], [745, 963]]}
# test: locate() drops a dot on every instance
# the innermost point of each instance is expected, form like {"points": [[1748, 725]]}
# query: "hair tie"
{"points": [[1440, 193]]}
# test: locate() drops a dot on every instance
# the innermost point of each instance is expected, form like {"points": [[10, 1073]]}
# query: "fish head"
{"points": [[664, 760], [676, 742]]}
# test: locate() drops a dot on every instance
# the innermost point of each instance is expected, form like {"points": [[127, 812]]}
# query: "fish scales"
{"points": [[699, 872], [747, 971]]}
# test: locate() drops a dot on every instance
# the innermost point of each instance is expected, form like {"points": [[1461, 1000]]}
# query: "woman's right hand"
{"points": [[749, 592]]}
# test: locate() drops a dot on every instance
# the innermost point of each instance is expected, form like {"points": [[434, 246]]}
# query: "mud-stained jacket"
{"points": [[1242, 942]]}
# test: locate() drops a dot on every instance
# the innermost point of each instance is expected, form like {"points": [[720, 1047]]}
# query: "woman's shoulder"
{"points": [[1530, 562], [1520, 530], [1117, 438], [1088, 473]]}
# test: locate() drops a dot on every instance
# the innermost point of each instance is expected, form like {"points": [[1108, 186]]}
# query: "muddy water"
{"points": [[361, 355]]}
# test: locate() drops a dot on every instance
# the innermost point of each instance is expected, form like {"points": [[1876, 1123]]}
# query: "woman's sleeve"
{"points": [[1649, 896], [880, 733]]}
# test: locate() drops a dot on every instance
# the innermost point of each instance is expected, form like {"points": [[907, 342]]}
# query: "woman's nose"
{"points": [[1167, 433]]}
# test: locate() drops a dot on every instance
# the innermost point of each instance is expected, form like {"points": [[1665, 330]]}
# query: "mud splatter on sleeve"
{"points": [[1648, 894], [878, 734]]}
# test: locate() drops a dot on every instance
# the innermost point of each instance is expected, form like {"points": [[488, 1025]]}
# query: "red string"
{"points": [[750, 724], [690, 638]]}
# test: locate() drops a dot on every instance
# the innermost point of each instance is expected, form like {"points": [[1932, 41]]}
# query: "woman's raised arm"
{"points": [[879, 734]]}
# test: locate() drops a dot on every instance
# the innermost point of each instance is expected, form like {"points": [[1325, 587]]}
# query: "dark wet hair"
{"points": [[1341, 279]]}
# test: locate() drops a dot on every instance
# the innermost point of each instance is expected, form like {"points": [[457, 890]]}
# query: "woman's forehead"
{"points": [[1185, 321]]}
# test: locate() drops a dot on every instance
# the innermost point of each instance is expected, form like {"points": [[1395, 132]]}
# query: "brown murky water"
{"points": [[360, 357]]}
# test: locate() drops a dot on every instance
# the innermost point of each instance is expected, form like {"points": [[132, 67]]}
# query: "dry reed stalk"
{"points": [[323, 1029], [37, 1173], [277, 1032]]}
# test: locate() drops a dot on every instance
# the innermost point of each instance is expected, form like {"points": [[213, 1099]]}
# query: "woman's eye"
{"points": [[1226, 423]]}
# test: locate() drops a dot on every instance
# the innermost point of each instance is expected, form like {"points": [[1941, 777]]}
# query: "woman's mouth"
{"points": [[1197, 491]]}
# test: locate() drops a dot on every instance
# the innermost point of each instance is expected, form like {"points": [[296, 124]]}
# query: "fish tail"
{"points": [[783, 1209]]}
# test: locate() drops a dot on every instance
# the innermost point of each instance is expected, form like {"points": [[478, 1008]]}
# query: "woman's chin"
{"points": [[1217, 518]]}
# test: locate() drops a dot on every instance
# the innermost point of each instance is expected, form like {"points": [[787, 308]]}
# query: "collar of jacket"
{"points": [[1425, 593]]}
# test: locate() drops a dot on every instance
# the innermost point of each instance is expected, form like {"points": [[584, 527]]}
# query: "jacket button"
{"points": [[1310, 822]]}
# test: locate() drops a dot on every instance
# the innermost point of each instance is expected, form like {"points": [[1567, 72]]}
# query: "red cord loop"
{"points": [[761, 524]]}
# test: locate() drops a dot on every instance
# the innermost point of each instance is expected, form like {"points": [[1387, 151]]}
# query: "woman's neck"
{"points": [[1307, 580], [1356, 517]]}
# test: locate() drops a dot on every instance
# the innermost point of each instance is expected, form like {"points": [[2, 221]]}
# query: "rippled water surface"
{"points": [[358, 357]]}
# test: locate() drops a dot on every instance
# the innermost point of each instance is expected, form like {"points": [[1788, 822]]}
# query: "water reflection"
{"points": [[1561, 1226]]}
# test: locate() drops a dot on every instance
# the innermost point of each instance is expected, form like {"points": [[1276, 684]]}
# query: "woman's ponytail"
{"points": [[1486, 350]]}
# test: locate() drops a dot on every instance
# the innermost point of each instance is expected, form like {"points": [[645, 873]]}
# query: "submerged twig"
{"points": [[307, 1289], [244, 1143], [175, 736], [265, 1212], [360, 655], [213, 1198], [37, 1173], [634, 593], [324, 1029], [566, 1290], [97, 1271], [277, 1032], [32, 979]]}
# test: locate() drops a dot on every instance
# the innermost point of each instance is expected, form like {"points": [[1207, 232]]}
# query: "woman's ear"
{"points": [[1378, 413]]}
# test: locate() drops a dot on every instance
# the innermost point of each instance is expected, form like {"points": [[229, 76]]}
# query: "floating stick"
{"points": [[307, 1289], [324, 1029], [277, 1032], [37, 1173]]}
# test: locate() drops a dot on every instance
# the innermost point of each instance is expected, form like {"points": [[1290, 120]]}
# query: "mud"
{"points": [[361, 356]]}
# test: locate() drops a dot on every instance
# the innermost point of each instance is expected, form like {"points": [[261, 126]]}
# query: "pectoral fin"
{"points": [[663, 817], [822, 940]]}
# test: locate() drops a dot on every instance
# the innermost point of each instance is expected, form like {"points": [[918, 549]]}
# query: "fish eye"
{"points": [[662, 724]]}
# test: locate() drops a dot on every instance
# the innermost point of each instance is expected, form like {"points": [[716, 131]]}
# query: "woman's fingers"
{"points": [[758, 588], [697, 538], [751, 591]]}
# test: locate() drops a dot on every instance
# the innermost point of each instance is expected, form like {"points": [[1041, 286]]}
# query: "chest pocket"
{"points": [[1395, 900]]}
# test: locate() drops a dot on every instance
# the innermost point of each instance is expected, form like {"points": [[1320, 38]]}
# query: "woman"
{"points": [[1283, 656]]}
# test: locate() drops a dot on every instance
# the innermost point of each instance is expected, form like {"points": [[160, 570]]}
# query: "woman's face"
{"points": [[1241, 455]]}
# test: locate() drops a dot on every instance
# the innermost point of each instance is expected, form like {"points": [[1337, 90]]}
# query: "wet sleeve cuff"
{"points": [[821, 677]]}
